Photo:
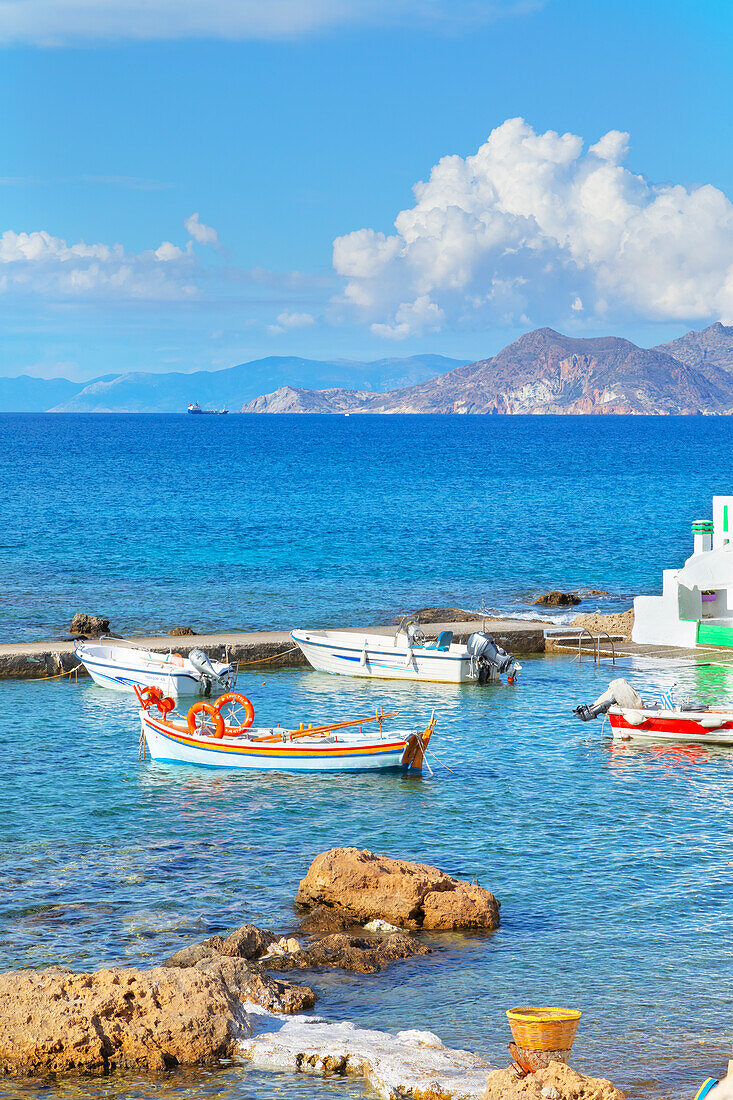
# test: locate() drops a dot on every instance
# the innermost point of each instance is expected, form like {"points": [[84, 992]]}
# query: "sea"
{"points": [[610, 860]]}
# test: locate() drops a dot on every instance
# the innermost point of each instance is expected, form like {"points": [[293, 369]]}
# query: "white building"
{"points": [[696, 605]]}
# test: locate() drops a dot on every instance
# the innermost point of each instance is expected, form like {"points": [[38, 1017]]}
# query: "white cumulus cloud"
{"points": [[202, 234], [534, 227], [412, 319], [296, 320], [60, 22], [38, 263]]}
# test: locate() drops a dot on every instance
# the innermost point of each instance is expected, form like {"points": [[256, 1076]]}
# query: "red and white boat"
{"points": [[633, 719], [221, 735], [708, 724]]}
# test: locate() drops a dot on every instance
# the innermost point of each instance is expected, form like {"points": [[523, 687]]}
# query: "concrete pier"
{"points": [[261, 649]]}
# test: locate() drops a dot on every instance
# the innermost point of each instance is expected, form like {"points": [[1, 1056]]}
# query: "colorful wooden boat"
{"points": [[221, 735]]}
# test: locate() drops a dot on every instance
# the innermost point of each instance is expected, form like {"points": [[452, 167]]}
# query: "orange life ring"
{"points": [[216, 719], [235, 702]]}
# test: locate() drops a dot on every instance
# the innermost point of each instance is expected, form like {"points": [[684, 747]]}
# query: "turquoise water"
{"points": [[273, 521], [611, 863]]}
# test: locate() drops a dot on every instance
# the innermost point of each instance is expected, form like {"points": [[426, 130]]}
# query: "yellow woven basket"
{"points": [[543, 1028]]}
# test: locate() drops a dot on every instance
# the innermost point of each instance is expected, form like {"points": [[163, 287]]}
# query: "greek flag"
{"points": [[667, 698]]}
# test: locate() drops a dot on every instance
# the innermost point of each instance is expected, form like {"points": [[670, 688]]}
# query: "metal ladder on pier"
{"points": [[566, 640]]}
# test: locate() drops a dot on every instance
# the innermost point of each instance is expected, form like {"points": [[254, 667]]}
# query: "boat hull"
{"points": [[124, 669], [127, 679], [660, 725], [374, 657], [172, 744]]}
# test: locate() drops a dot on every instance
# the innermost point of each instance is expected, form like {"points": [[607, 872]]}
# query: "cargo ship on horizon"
{"points": [[195, 408]]}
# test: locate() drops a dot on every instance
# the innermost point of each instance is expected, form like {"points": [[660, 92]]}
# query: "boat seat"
{"points": [[443, 641]]}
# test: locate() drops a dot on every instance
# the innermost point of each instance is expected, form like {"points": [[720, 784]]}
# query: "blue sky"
{"points": [[286, 126]]}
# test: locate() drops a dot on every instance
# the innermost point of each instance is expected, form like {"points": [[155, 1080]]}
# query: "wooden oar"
{"points": [[342, 725], [318, 731]]}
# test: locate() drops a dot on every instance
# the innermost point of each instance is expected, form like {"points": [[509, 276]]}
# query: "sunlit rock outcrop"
{"points": [[123, 1018], [363, 886], [557, 1082]]}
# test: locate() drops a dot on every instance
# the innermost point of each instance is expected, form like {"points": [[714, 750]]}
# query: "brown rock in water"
{"points": [[189, 956], [363, 886], [557, 599], [247, 942], [557, 1082], [124, 1018], [181, 631], [427, 615], [91, 625], [359, 954]]}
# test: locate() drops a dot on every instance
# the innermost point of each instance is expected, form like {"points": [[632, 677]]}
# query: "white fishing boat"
{"points": [[408, 655], [124, 665], [221, 735], [631, 718]]}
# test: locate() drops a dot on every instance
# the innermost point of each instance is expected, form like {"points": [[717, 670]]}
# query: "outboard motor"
{"points": [[619, 692], [488, 655], [209, 675]]}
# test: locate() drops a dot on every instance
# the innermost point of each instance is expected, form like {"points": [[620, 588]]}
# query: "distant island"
{"points": [[546, 372], [541, 372]]}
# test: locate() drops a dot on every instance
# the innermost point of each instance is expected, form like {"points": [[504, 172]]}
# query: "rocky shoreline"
{"points": [[359, 912]]}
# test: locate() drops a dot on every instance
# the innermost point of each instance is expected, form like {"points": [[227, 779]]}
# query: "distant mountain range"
{"points": [[541, 372], [546, 372], [230, 388]]}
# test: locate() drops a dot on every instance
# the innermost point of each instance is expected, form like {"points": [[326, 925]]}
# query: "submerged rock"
{"points": [[411, 1065], [360, 954], [362, 886], [557, 599], [90, 625], [557, 1082], [124, 1018]]}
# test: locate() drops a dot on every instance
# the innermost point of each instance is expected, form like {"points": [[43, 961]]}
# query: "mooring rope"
{"points": [[439, 761], [261, 660], [55, 676]]}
